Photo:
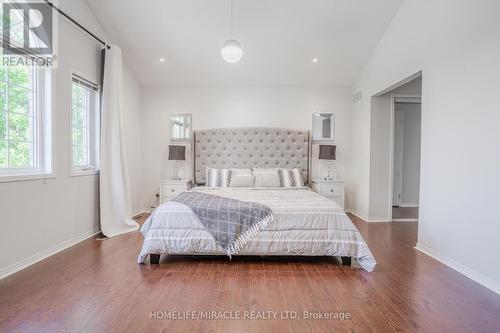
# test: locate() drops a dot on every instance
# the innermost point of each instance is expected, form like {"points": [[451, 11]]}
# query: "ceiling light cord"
{"points": [[230, 19], [231, 50]]}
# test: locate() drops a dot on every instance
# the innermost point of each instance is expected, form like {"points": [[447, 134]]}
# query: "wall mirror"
{"points": [[323, 126], [180, 127]]}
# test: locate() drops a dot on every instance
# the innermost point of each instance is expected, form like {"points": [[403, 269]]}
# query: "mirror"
{"points": [[180, 127], [323, 126]]}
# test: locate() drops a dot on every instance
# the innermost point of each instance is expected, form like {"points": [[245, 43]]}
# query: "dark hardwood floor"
{"points": [[404, 213], [96, 286]]}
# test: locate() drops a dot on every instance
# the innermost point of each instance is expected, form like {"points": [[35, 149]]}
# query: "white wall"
{"points": [[39, 217], [132, 117], [380, 122], [411, 152], [238, 106], [454, 43]]}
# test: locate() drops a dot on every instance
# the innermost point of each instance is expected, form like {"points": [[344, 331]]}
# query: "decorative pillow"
{"points": [[217, 177], [270, 179], [291, 177], [286, 178], [298, 181], [242, 180]]}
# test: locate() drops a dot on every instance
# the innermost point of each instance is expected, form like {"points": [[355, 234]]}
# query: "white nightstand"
{"points": [[332, 189], [169, 188]]}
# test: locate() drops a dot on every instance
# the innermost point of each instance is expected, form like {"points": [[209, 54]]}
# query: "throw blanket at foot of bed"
{"points": [[231, 222]]}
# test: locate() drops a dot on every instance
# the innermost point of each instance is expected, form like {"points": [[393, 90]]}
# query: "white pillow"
{"points": [[242, 180], [217, 177], [270, 179], [265, 170], [241, 171]]}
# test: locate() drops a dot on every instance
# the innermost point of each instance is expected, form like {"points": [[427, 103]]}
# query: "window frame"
{"points": [[41, 136], [93, 133]]}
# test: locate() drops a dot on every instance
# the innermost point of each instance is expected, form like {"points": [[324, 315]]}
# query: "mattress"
{"points": [[305, 224]]}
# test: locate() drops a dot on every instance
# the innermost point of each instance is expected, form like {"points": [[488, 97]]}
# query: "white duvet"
{"points": [[305, 224]]}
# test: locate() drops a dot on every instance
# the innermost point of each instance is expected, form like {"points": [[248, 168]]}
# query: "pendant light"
{"points": [[231, 50]]}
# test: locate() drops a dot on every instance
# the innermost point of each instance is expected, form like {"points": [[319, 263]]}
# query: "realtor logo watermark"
{"points": [[248, 315], [29, 33]]}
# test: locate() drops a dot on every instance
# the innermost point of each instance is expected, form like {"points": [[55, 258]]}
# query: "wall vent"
{"points": [[357, 96]]}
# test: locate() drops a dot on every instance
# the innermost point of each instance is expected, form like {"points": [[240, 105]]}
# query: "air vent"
{"points": [[357, 96]]}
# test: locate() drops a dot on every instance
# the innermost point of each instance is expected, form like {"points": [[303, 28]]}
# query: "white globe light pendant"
{"points": [[231, 51]]}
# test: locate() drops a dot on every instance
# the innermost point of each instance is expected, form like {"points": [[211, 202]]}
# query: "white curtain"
{"points": [[115, 202]]}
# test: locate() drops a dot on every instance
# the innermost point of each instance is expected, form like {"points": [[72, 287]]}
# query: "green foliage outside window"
{"points": [[17, 121], [80, 99]]}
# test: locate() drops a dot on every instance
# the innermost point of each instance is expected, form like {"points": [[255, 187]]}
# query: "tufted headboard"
{"points": [[250, 148]]}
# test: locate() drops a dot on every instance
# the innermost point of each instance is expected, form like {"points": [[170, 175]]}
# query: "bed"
{"points": [[304, 224]]}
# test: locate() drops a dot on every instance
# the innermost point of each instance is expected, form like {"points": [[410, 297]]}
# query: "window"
{"points": [[84, 126], [22, 139]]}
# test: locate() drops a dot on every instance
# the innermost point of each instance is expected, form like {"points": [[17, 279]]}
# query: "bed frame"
{"points": [[250, 147], [154, 259]]}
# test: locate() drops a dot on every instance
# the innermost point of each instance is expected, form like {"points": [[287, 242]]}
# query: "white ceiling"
{"points": [[279, 39]]}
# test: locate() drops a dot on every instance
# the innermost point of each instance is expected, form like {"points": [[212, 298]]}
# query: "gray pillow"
{"points": [[297, 177], [291, 177], [271, 179], [217, 177], [241, 180]]}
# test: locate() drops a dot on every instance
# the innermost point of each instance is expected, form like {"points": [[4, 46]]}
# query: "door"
{"points": [[397, 173]]}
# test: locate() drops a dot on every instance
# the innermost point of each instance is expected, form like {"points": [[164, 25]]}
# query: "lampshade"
{"points": [[231, 51], [177, 153], [327, 152]]}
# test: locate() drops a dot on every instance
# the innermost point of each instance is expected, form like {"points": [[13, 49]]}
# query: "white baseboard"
{"points": [[357, 214], [467, 271], [9, 270], [140, 212], [405, 220], [370, 219], [408, 205]]}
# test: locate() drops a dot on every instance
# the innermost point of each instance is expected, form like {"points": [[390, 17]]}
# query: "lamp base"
{"points": [[331, 171], [177, 176]]}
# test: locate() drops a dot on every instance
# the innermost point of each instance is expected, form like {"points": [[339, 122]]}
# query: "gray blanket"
{"points": [[231, 222]]}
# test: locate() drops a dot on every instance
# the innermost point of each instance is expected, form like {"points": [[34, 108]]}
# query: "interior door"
{"points": [[397, 170]]}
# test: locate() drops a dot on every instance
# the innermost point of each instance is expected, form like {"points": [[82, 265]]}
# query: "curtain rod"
{"points": [[76, 23]]}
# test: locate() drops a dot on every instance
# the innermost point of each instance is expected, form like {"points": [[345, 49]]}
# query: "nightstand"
{"points": [[332, 189], [169, 188]]}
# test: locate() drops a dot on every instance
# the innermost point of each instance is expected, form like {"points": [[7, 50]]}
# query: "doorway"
{"points": [[405, 161]]}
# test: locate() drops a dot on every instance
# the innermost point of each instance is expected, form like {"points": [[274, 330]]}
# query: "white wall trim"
{"points": [[9, 270], [465, 270], [399, 84], [26, 177], [140, 212], [358, 214], [370, 219], [405, 220], [408, 205]]}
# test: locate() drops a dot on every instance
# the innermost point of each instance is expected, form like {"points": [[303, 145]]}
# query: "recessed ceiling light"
{"points": [[162, 59], [315, 60]]}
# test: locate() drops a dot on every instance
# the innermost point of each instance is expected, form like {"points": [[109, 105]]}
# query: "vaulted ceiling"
{"points": [[279, 38]]}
